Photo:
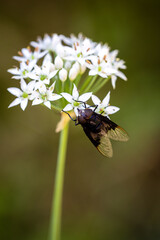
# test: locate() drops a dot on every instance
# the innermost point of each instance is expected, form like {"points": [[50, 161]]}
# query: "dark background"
{"points": [[114, 199]]}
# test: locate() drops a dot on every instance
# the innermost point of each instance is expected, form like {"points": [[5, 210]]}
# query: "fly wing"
{"points": [[105, 146], [118, 134], [114, 131], [100, 141]]}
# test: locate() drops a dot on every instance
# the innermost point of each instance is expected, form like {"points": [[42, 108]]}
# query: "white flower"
{"points": [[100, 67], [47, 43], [27, 55], [75, 101], [23, 71], [45, 95], [44, 73], [80, 51], [63, 74], [103, 106], [116, 64], [22, 95]]}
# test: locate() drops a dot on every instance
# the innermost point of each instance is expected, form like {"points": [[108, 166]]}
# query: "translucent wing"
{"points": [[105, 146], [100, 141], [118, 134]]}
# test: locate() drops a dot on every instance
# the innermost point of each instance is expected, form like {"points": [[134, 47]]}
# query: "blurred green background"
{"points": [[104, 199]]}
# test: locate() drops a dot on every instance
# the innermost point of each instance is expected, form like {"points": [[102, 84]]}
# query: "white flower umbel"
{"points": [[67, 60], [103, 106], [75, 101], [23, 95], [45, 95]]}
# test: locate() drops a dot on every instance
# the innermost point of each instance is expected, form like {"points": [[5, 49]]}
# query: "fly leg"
{"points": [[74, 120]]}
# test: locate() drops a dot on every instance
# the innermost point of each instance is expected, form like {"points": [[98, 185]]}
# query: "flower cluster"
{"points": [[51, 69]]}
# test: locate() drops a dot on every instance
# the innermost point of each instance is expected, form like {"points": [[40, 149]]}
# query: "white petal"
{"points": [[68, 107], [18, 77], [40, 55], [52, 74], [75, 93], [19, 59], [37, 101], [67, 96], [76, 111], [96, 100], [24, 103], [30, 86], [42, 87], [112, 109], [92, 72], [105, 101], [34, 44], [121, 75], [23, 85], [47, 59], [47, 104], [84, 97], [15, 102], [102, 74], [13, 71], [15, 91], [51, 88], [54, 97], [113, 80], [26, 53]]}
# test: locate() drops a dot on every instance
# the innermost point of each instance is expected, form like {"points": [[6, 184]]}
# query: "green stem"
{"points": [[78, 78], [85, 83], [90, 83], [100, 83], [55, 227]]}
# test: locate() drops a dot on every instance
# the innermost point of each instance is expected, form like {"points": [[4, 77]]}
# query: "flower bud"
{"points": [[73, 73], [76, 66], [67, 65], [58, 62], [82, 69], [63, 74]]}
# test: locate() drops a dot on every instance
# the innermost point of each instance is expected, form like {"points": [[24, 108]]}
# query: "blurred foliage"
{"points": [[115, 199]]}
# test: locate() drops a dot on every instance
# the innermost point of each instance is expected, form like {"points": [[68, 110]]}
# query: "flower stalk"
{"points": [[55, 226]]}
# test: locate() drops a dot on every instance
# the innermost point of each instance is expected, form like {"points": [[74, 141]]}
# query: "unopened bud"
{"points": [[67, 65], [63, 74], [76, 66], [82, 69], [58, 62], [73, 73]]}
